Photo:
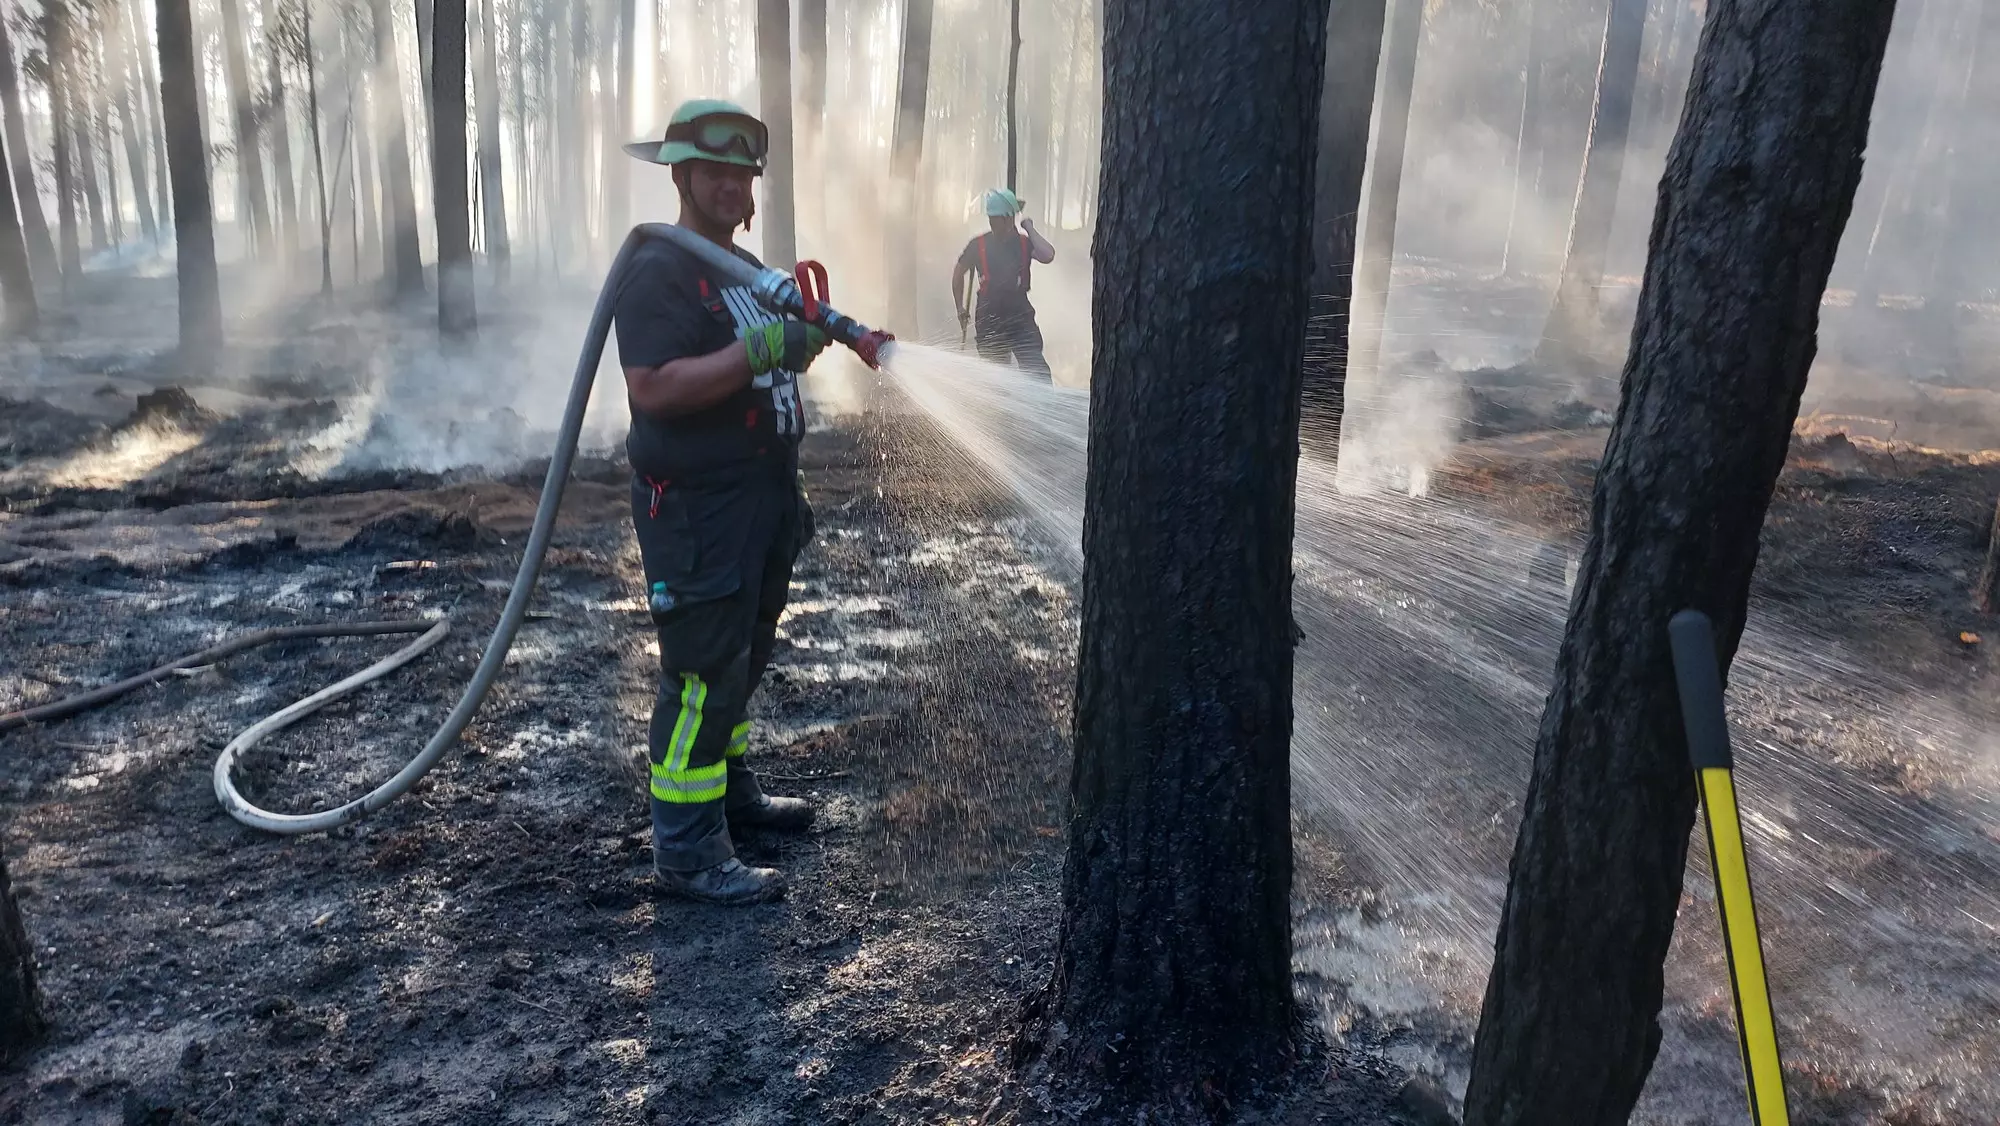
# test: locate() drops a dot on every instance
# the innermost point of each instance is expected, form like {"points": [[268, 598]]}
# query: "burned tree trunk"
{"points": [[21, 1020], [243, 113], [287, 228], [149, 110], [1172, 988], [55, 36], [448, 174], [402, 253], [1758, 184], [17, 275], [187, 158], [122, 73], [1372, 268], [1353, 48], [325, 213], [492, 177], [906, 154], [1570, 337], [774, 91], [34, 227], [1014, 97]]}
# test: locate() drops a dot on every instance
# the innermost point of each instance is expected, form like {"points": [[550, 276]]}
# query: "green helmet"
{"points": [[1002, 203], [708, 129]]}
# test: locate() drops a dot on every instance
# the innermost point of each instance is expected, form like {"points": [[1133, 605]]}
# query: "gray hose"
{"points": [[496, 646]]}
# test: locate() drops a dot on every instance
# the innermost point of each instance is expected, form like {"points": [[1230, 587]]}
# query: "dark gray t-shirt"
{"points": [[668, 308]]}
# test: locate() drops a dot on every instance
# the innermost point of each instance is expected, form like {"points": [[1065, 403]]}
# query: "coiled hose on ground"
{"points": [[771, 287]]}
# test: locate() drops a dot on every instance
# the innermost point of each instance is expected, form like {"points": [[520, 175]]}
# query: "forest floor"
{"points": [[489, 949]]}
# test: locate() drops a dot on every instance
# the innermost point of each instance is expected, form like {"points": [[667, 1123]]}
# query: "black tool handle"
{"points": [[1692, 637]]}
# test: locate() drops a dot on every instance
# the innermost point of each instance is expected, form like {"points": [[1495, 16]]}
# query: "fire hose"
{"points": [[801, 295]]}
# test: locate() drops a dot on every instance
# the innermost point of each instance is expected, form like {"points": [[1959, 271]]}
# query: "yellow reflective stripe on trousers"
{"points": [[689, 787], [694, 693], [739, 741]]}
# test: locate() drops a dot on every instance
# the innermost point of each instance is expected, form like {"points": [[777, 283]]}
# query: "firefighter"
{"points": [[1004, 327], [713, 383]]}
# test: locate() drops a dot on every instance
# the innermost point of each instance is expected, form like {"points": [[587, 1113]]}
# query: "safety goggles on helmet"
{"points": [[723, 135]]}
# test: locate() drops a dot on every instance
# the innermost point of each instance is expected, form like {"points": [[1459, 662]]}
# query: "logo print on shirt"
{"points": [[782, 384]]}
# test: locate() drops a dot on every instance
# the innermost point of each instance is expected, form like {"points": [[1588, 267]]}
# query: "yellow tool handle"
{"points": [[1700, 681]]}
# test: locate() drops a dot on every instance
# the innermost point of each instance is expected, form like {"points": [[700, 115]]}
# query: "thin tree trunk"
{"points": [[448, 172], [1013, 97], [249, 157], [1526, 175], [56, 36], [187, 158], [82, 118], [1353, 54], [114, 204], [617, 174], [492, 177], [1172, 989], [41, 247], [811, 132], [1570, 338], [1373, 268], [124, 74], [425, 39], [281, 137], [1759, 182], [149, 109], [319, 156], [402, 253], [369, 194], [906, 154], [774, 84], [21, 1020], [17, 278]]}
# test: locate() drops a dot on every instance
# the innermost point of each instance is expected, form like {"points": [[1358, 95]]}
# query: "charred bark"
{"points": [[150, 110], [1373, 266], [55, 36], [1759, 182], [124, 74], [1570, 338], [402, 252], [774, 91], [1014, 96], [187, 158], [280, 121], [34, 226], [448, 172], [906, 155], [1172, 988], [21, 1020], [1353, 50], [492, 177], [318, 149], [17, 275], [243, 113]]}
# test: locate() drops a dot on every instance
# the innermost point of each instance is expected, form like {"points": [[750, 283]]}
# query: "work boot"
{"points": [[779, 815], [731, 883]]}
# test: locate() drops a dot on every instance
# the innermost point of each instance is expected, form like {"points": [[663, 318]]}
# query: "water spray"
{"points": [[802, 296]]}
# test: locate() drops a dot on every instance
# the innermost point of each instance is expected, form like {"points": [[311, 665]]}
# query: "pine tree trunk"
{"points": [[1353, 54], [425, 39], [1373, 268], [774, 85], [21, 1020], [187, 159], [368, 192], [906, 155], [448, 177], [1013, 97], [84, 145], [1527, 141], [41, 247], [325, 213], [811, 132], [56, 36], [492, 177], [617, 168], [1571, 337], [149, 109], [402, 250], [1758, 184], [1172, 989], [17, 275], [124, 74], [114, 204], [281, 138], [249, 156]]}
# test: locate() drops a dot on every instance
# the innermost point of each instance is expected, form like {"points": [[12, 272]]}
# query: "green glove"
{"points": [[790, 345]]}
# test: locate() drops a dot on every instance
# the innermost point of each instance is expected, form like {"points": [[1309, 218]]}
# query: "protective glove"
{"points": [[790, 345]]}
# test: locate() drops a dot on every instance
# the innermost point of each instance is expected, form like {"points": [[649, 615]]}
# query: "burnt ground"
{"points": [[488, 949]]}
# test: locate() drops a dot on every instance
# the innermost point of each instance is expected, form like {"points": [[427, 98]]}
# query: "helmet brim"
{"points": [[680, 152]]}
